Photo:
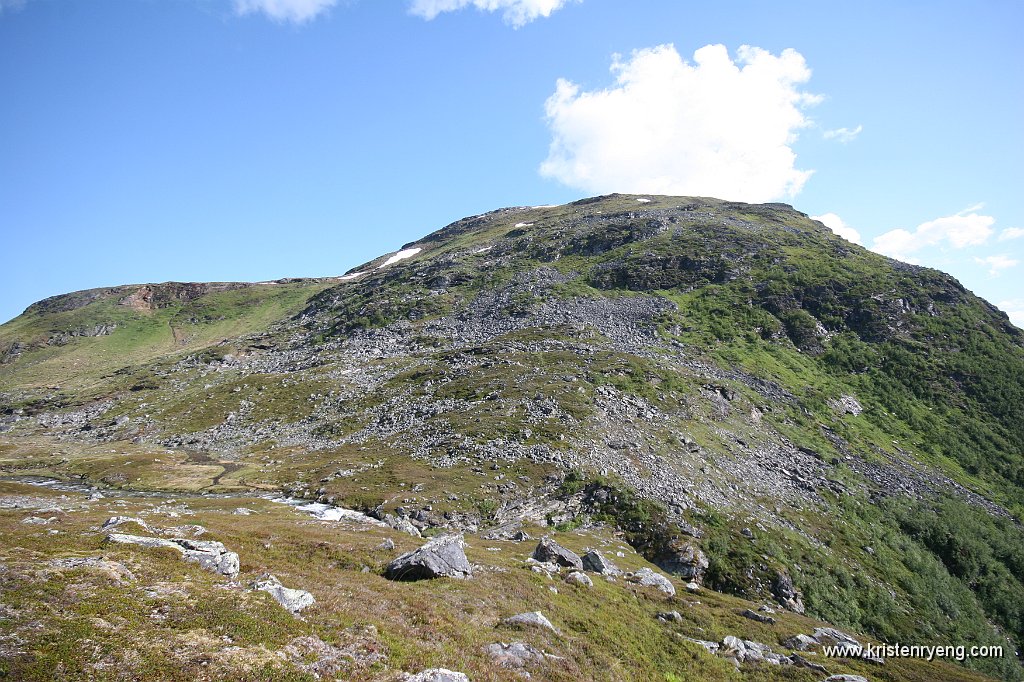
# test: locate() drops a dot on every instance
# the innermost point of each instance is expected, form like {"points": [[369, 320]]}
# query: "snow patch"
{"points": [[352, 275], [524, 224], [644, 200], [401, 255], [484, 249]]}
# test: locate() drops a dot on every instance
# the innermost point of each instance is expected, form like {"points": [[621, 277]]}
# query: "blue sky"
{"points": [[198, 140]]}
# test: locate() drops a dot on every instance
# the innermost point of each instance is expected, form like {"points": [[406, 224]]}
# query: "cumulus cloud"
{"points": [[996, 263], [1015, 309], [515, 12], [836, 224], [1011, 233], [844, 135], [295, 11], [966, 228], [714, 127]]}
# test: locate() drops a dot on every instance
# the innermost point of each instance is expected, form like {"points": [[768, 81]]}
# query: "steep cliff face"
{"points": [[752, 401]]}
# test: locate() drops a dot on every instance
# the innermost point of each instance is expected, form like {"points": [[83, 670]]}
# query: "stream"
{"points": [[318, 510]]}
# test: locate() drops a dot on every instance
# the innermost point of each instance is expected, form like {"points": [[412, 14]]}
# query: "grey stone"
{"points": [[532, 619], [514, 655], [37, 520], [759, 617], [800, 642], [212, 556], [801, 662], [712, 647], [403, 524], [845, 678], [599, 563], [731, 643], [291, 599], [548, 550], [826, 635], [437, 675], [647, 577], [441, 557], [670, 616], [143, 541], [580, 579]]}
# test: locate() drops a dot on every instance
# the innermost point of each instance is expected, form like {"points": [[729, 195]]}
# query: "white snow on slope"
{"points": [[524, 224], [401, 255], [352, 275]]}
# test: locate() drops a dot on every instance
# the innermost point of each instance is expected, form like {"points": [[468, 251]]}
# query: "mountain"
{"points": [[726, 393]]}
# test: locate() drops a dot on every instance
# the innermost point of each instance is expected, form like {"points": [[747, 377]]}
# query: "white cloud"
{"points": [[1015, 309], [836, 224], [844, 135], [996, 263], [515, 12], [1011, 233], [296, 11], [966, 228], [11, 5], [716, 127]]}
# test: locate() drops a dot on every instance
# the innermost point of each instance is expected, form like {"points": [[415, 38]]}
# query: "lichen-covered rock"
{"points": [[759, 617], [213, 556], [649, 578], [442, 557], [115, 521], [514, 655], [533, 619], [548, 550], [437, 675], [800, 642], [580, 579], [291, 599]]}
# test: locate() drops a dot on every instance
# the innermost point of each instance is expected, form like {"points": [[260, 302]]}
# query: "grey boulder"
{"points": [[442, 557], [599, 563], [649, 578], [548, 550], [580, 579], [533, 619]]}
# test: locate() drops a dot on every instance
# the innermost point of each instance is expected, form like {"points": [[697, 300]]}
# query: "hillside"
{"points": [[727, 393]]}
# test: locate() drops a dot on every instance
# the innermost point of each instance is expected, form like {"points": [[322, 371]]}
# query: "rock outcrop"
{"points": [[213, 556], [291, 599]]}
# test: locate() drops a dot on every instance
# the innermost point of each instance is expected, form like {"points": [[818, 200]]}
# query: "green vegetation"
{"points": [[772, 334]]}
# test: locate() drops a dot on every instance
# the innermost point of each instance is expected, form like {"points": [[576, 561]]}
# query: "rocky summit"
{"points": [[749, 429]]}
